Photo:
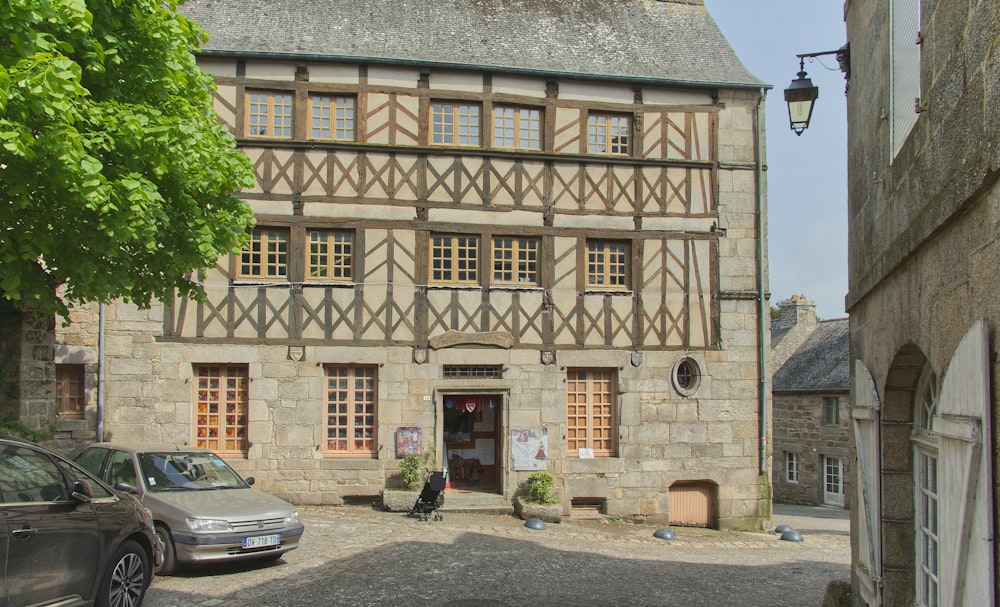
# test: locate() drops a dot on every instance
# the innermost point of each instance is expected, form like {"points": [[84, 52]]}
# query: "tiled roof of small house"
{"points": [[820, 364], [641, 40]]}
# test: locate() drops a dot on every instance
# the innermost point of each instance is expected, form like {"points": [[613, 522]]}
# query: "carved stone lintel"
{"points": [[499, 339]]}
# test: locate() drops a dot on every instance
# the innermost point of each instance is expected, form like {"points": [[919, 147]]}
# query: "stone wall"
{"points": [[28, 390], [798, 428], [664, 436], [924, 231]]}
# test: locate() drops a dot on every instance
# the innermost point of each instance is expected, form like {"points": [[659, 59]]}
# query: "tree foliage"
{"points": [[116, 178]]}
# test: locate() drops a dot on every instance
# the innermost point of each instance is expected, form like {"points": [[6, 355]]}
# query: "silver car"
{"points": [[203, 510]]}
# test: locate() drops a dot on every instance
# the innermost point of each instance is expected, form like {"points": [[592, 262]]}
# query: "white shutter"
{"points": [[865, 416], [965, 506], [904, 69]]}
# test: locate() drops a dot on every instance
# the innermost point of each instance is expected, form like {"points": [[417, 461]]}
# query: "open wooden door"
{"points": [[866, 418], [962, 426]]}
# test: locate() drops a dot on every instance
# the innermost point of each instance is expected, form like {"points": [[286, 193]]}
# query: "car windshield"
{"points": [[187, 471]]}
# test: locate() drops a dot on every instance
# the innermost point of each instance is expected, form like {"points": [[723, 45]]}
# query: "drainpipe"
{"points": [[100, 374], [762, 309]]}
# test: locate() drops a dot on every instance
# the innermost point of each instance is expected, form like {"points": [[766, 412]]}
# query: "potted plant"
{"points": [[403, 498], [540, 501], [409, 469]]}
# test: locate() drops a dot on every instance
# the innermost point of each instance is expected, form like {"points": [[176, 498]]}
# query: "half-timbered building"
{"points": [[506, 236]]}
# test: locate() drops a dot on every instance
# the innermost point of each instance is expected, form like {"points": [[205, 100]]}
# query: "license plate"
{"points": [[261, 541]]}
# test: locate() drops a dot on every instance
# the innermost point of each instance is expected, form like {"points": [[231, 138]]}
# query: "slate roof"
{"points": [[820, 364], [639, 40]]}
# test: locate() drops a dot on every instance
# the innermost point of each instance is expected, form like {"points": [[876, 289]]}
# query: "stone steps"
{"points": [[457, 500]]}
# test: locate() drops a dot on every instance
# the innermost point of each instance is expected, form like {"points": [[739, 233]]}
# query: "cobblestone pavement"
{"points": [[356, 556]]}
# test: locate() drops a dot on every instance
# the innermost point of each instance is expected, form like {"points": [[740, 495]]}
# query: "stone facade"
{"points": [[924, 204], [811, 406], [683, 345]]}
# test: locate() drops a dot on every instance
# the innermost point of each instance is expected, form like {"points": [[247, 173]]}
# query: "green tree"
{"points": [[116, 178]]}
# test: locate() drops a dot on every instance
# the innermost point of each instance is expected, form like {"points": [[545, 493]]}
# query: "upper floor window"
{"points": [[517, 127], [608, 134], [454, 259], [515, 260], [591, 395], [330, 255], [266, 255], [831, 411], [607, 264], [904, 69], [70, 390], [455, 124], [332, 117], [268, 114]]}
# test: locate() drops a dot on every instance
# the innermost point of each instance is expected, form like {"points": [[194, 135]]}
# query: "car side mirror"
{"points": [[126, 487], [82, 491], [250, 480]]}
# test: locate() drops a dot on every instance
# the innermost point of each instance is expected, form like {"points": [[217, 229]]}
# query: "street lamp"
{"points": [[801, 94], [800, 97]]}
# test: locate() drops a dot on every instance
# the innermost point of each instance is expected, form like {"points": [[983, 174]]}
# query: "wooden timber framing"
{"points": [[392, 189]]}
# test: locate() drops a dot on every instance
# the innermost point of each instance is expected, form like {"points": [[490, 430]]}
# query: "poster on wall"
{"points": [[529, 448], [407, 441]]}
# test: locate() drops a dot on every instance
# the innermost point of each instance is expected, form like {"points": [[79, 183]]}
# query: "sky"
{"points": [[807, 174]]}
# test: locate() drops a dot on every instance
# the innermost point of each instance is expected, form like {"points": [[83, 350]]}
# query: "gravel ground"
{"points": [[357, 556]]}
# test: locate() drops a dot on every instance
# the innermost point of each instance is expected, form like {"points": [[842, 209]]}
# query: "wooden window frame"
{"points": [[604, 133], [269, 113], [603, 265], [592, 411], [340, 118], [264, 257], [519, 126], [327, 258], [927, 527], [71, 390], [791, 467], [221, 405], [358, 381], [448, 119], [517, 264], [831, 411], [449, 261]]}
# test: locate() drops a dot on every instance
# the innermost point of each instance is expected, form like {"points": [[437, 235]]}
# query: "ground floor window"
{"points": [[791, 467], [351, 405], [927, 529], [71, 396], [591, 395], [221, 408]]}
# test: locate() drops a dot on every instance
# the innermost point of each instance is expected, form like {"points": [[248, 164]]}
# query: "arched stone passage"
{"points": [[896, 457]]}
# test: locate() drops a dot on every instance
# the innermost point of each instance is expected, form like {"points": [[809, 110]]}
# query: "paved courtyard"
{"points": [[357, 556]]}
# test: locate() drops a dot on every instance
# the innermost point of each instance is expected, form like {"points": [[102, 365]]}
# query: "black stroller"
{"points": [[431, 498]]}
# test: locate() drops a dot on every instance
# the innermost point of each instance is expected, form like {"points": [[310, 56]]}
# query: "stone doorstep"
{"points": [[454, 501], [476, 502]]}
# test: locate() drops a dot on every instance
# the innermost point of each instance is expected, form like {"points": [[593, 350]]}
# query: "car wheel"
{"points": [[125, 581], [166, 542]]}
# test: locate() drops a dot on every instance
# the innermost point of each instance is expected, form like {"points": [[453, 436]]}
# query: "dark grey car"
{"points": [[203, 510], [68, 540]]}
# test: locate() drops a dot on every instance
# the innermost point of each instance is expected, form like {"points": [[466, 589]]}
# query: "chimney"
{"points": [[797, 311]]}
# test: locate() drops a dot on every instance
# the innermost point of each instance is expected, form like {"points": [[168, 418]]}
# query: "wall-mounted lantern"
{"points": [[801, 94]]}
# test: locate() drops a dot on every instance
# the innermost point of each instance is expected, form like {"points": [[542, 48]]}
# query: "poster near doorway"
{"points": [[472, 440]]}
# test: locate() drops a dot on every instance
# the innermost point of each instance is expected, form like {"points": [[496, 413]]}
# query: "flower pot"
{"points": [[550, 513]]}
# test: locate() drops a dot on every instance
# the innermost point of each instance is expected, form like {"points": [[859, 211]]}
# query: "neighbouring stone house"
{"points": [[810, 391], [924, 304], [503, 236]]}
